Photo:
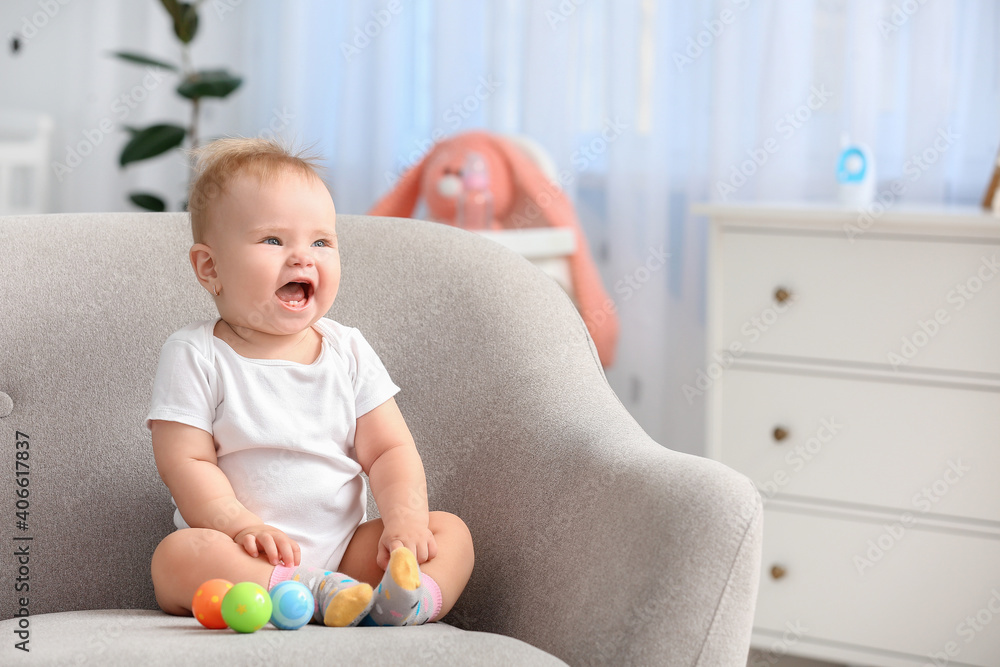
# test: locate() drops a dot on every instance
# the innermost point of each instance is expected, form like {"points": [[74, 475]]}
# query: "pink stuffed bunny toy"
{"points": [[522, 197]]}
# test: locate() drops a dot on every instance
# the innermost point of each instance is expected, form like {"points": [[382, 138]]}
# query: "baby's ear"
{"points": [[202, 262]]}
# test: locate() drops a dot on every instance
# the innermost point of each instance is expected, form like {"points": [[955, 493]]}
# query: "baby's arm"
{"points": [[187, 463], [387, 453]]}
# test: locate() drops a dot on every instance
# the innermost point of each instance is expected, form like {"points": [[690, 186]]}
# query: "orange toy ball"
{"points": [[206, 605]]}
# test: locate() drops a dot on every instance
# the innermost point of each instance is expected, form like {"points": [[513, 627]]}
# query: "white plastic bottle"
{"points": [[855, 174]]}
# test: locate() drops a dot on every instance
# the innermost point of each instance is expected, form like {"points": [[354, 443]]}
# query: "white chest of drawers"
{"points": [[853, 373]]}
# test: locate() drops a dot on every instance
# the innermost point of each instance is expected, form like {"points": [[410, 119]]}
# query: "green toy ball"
{"points": [[246, 607]]}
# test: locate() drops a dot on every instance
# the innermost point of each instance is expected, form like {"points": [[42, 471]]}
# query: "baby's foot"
{"points": [[340, 600], [405, 596], [344, 601]]}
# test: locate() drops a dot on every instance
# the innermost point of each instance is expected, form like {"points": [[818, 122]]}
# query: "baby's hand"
{"points": [[274, 543], [419, 540]]}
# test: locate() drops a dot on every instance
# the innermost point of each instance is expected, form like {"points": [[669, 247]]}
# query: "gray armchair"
{"points": [[594, 544]]}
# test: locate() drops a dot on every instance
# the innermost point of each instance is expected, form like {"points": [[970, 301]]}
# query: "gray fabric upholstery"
{"points": [[593, 543], [124, 638]]}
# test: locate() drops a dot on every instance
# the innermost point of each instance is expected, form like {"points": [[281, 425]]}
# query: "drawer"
{"points": [[911, 447], [928, 592], [858, 301]]}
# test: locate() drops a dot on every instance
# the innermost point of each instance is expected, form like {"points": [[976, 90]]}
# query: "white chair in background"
{"points": [[25, 140]]}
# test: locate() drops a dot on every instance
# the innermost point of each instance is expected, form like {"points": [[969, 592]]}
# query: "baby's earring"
{"points": [[216, 287]]}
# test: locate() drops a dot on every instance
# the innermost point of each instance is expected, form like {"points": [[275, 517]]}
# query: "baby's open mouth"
{"points": [[294, 294]]}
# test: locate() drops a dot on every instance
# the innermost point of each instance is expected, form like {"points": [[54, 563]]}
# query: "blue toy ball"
{"points": [[293, 605]]}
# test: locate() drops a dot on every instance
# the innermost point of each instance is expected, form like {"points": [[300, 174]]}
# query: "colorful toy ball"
{"points": [[206, 605], [246, 607], [293, 605]]}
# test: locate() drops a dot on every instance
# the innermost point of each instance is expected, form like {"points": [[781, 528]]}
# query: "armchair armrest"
{"points": [[642, 555], [593, 542]]}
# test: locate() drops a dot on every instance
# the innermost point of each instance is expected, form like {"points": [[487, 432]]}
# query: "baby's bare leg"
{"points": [[450, 569], [187, 558]]}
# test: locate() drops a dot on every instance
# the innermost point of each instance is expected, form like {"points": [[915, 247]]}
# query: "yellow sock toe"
{"points": [[347, 605], [404, 569]]}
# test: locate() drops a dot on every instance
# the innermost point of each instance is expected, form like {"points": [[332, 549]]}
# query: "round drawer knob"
{"points": [[780, 433], [777, 572], [781, 295]]}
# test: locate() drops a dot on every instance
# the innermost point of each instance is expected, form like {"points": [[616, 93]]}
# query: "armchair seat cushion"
{"points": [[129, 637]]}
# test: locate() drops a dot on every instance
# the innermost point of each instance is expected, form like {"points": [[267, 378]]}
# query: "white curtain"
{"points": [[650, 104]]}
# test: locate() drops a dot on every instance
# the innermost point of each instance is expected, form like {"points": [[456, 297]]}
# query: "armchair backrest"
{"points": [[470, 331]]}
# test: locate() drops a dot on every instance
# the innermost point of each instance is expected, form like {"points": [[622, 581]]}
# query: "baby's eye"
{"points": [[327, 243], [271, 238]]}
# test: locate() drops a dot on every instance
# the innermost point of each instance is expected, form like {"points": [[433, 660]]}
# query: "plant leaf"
{"points": [[187, 28], [209, 83], [185, 17], [148, 201], [189, 23], [140, 59], [173, 7], [152, 141]]}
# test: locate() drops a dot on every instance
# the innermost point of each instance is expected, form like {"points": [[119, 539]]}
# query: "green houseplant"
{"points": [[195, 85]]}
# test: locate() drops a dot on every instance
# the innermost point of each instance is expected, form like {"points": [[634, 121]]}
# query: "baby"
{"points": [[262, 419]]}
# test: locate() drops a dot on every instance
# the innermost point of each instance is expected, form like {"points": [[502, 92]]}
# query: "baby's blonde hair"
{"points": [[219, 162]]}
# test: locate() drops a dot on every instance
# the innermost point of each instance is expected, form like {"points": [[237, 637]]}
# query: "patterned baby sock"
{"points": [[340, 600], [406, 596]]}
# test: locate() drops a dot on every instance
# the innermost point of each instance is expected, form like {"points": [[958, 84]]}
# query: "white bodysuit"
{"points": [[284, 431]]}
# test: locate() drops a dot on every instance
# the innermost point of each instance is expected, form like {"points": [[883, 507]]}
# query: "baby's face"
{"points": [[265, 236]]}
